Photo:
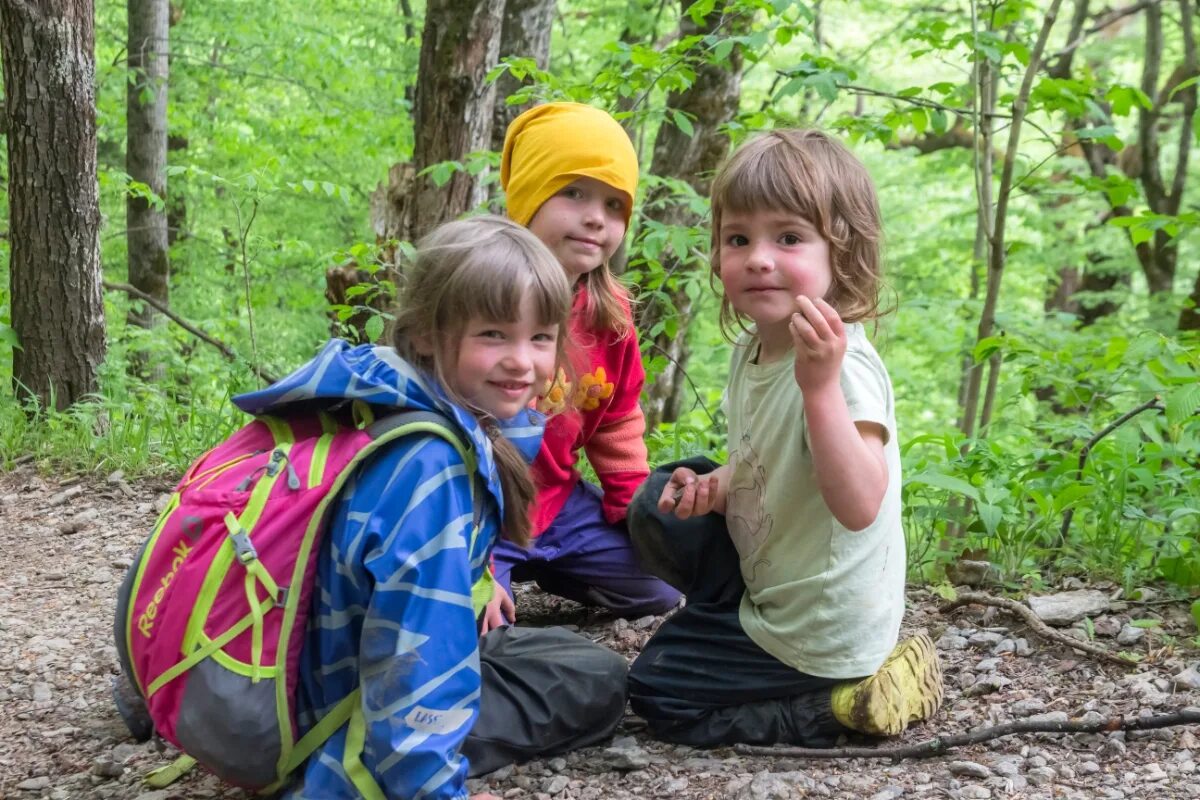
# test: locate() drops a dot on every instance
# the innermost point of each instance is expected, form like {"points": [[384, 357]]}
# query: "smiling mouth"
{"points": [[587, 242], [511, 387]]}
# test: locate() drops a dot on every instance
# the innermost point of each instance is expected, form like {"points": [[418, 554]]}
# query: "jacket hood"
{"points": [[342, 373]]}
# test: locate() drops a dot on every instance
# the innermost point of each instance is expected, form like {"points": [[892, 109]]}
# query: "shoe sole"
{"points": [[907, 688]]}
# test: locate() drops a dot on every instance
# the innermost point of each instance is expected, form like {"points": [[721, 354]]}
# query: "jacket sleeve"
{"points": [[617, 448], [418, 656]]}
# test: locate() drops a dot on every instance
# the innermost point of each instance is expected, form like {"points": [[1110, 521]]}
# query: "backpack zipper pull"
{"points": [[293, 480], [275, 463]]}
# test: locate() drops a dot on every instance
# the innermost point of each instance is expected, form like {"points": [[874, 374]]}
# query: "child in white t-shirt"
{"points": [[792, 555]]}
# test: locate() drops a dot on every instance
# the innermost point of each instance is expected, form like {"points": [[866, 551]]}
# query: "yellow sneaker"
{"points": [[907, 688]]}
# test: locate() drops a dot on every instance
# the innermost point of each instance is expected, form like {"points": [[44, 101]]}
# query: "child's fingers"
{"points": [[802, 332], [815, 316], [832, 318], [676, 489]]}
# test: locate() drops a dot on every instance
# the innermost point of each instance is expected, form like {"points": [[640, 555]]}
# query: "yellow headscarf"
{"points": [[550, 145]]}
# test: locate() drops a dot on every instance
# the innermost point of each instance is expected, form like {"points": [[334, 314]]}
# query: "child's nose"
{"points": [[519, 358], [593, 212], [759, 257]]}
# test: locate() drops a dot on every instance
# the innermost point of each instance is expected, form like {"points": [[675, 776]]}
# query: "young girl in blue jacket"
{"points": [[478, 332]]}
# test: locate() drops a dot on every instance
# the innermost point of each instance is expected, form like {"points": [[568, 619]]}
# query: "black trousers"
{"points": [[544, 691], [701, 680]]}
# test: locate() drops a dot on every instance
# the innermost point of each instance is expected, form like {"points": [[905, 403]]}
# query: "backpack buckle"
{"points": [[243, 548]]}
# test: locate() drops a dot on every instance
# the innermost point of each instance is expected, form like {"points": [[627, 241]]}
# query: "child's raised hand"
{"points": [[689, 494], [820, 340]]}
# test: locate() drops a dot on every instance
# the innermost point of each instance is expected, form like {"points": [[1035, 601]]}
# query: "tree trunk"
{"points": [[452, 117], [525, 34], [54, 271], [146, 155], [709, 102]]}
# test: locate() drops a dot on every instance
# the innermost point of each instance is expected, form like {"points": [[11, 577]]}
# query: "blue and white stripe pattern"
{"points": [[393, 613]]}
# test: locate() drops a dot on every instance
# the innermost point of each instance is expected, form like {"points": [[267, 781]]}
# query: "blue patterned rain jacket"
{"points": [[393, 612]]}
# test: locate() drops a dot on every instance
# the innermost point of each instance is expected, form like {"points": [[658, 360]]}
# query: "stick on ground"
{"points": [[1026, 613], [942, 744]]}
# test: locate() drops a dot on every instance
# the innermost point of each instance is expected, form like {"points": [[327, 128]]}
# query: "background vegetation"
{"points": [[285, 116]]}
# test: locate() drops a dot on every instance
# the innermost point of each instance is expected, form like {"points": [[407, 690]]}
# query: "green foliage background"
{"points": [[294, 111]]}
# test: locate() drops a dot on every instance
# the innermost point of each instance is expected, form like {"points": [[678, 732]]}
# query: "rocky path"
{"points": [[64, 547]]}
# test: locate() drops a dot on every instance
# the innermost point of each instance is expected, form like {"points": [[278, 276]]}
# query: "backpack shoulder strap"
{"points": [[440, 424]]}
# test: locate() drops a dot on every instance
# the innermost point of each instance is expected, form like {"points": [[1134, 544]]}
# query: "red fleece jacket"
{"points": [[598, 412]]}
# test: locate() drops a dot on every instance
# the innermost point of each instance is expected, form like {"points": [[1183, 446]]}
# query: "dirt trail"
{"points": [[66, 546]]}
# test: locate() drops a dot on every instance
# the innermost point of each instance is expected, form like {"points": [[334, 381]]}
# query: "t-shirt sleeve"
{"points": [[868, 390]]}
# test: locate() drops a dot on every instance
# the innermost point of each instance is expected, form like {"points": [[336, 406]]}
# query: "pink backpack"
{"points": [[212, 614]]}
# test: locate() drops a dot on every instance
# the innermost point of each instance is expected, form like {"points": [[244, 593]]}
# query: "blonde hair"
{"points": [[811, 174], [608, 302], [482, 267]]}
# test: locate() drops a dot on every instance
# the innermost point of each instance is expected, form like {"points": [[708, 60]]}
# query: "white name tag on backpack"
{"points": [[430, 720]]}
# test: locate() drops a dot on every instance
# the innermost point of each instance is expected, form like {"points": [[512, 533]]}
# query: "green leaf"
{"points": [[9, 337], [374, 328], [990, 516], [1184, 85], [986, 348], [683, 123], [947, 592], [1145, 623], [1182, 403], [1196, 612], [947, 482], [1071, 495]]}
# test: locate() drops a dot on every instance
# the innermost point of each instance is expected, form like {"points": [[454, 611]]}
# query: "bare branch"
{"points": [[1026, 613], [226, 351], [942, 744]]}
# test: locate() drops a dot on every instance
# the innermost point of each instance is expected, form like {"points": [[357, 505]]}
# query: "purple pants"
{"points": [[583, 558]]}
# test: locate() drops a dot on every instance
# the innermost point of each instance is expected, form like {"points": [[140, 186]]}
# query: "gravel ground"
{"points": [[66, 545]]}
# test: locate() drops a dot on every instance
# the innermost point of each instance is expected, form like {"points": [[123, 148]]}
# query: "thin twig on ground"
{"points": [[1026, 613], [941, 744], [226, 351]]}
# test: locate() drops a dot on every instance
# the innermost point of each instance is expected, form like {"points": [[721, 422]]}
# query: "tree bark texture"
{"points": [[146, 154], [48, 50], [709, 102], [525, 34], [452, 117]]}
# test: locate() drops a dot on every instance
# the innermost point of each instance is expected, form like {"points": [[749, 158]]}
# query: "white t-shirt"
{"points": [[819, 597]]}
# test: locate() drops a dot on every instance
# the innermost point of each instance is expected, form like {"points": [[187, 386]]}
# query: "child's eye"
{"points": [[572, 192], [790, 239], [545, 337], [490, 333], [736, 240], [616, 204]]}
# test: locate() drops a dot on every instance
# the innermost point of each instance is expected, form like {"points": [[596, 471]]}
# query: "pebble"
{"points": [[35, 784], [1188, 680], [984, 639], [970, 769], [1028, 707], [1040, 776], [1130, 635], [555, 785]]}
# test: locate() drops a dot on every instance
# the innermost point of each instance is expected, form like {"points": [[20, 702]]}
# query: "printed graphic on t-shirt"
{"points": [[749, 523]]}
